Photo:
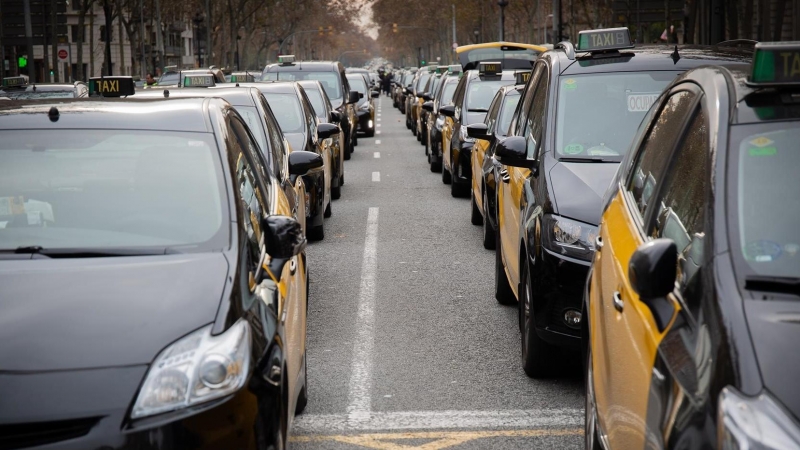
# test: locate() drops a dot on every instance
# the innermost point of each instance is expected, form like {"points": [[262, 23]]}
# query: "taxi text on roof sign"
{"points": [[454, 68], [242, 77], [490, 68], [776, 63], [283, 59], [604, 39], [13, 81], [112, 86], [198, 80], [523, 77]]}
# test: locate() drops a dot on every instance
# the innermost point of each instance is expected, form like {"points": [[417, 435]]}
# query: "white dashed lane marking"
{"points": [[376, 176], [377, 141], [377, 155]]}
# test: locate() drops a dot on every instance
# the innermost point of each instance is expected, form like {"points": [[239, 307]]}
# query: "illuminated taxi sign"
{"points": [[454, 68], [285, 59], [14, 81], [604, 39], [112, 86], [242, 77], [490, 68], [776, 63], [433, 67], [523, 77], [205, 80]]}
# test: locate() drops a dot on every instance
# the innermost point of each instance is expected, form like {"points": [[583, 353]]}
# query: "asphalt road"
{"points": [[407, 347]]}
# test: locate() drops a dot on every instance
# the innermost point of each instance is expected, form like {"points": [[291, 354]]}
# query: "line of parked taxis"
{"points": [[153, 276], [642, 205]]}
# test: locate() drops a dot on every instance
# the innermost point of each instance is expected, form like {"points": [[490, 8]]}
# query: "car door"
{"points": [[323, 145], [479, 150], [625, 335], [450, 122], [512, 179]]}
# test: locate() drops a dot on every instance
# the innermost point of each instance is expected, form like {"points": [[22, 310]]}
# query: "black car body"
{"points": [[426, 95], [436, 120], [414, 97], [95, 310], [326, 114], [712, 211], [365, 108], [332, 77], [552, 197], [16, 88], [403, 88]]}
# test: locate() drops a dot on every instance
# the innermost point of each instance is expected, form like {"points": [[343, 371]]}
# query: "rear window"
{"points": [[481, 93], [329, 80], [317, 103], [287, 110]]}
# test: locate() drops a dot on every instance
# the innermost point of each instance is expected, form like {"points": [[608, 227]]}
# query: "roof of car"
{"points": [[506, 75], [237, 96], [318, 66], [312, 84], [187, 114], [280, 87]]}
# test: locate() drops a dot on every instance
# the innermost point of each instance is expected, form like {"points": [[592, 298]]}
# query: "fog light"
{"points": [[369, 124], [572, 318]]}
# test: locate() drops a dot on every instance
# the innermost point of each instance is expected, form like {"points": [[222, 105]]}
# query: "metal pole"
{"points": [[54, 42], [2, 49], [29, 40], [453, 51], [141, 37], [208, 34]]}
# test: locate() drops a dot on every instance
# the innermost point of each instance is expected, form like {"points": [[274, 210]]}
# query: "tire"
{"points": [[302, 399], [489, 233], [370, 133], [458, 190], [414, 129], [418, 134], [436, 166], [347, 153], [502, 290], [476, 218], [341, 180], [446, 178], [427, 152], [317, 233], [537, 355], [355, 139], [591, 440], [336, 192], [328, 211]]}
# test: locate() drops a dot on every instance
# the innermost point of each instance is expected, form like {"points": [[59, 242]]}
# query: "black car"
{"points": [[711, 274], [471, 100], [402, 88], [17, 88], [365, 109], [436, 120], [326, 114], [414, 97], [178, 77], [571, 129], [332, 77], [143, 264], [426, 95]]}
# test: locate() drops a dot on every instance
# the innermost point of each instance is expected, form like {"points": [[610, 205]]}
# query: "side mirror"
{"points": [[512, 151], [360, 95], [336, 116], [302, 163], [428, 106], [449, 110], [652, 271], [376, 94], [326, 130], [478, 131], [352, 97], [283, 238]]}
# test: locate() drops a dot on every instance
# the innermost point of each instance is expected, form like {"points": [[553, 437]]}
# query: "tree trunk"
{"points": [[85, 6], [733, 20], [121, 70], [780, 9], [107, 33], [691, 21], [764, 19], [747, 20]]}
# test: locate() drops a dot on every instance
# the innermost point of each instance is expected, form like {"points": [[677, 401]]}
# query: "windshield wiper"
{"points": [[477, 110], [765, 283], [592, 159], [77, 252]]}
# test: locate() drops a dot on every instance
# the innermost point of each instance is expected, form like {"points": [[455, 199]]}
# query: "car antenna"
{"points": [[675, 56], [166, 93]]}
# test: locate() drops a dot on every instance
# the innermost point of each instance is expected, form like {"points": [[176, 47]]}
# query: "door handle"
{"points": [[598, 242], [618, 304], [506, 179], [504, 172], [293, 266]]}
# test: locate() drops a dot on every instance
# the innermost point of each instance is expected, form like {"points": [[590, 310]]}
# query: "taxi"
{"points": [[692, 301], [365, 110], [425, 95], [573, 126], [243, 77], [18, 88], [510, 55], [413, 100], [485, 169], [436, 120], [176, 77], [326, 114], [471, 99], [191, 306], [403, 89]]}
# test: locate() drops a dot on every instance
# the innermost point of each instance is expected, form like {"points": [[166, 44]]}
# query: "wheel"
{"points": [[370, 133], [446, 178], [341, 180], [336, 192], [427, 152], [476, 218], [489, 233], [317, 233], [537, 355], [355, 140], [408, 124], [413, 129], [436, 166], [458, 190], [347, 153], [591, 441], [418, 134], [328, 211], [502, 290], [302, 399]]}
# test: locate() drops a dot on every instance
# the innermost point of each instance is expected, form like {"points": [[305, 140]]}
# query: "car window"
{"points": [[318, 103], [308, 114], [253, 121], [681, 209], [522, 117], [534, 125], [491, 115], [249, 146], [290, 115], [656, 148], [481, 93], [329, 80], [506, 114], [281, 165], [447, 94]]}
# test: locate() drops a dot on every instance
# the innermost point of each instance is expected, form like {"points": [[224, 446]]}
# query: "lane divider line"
{"points": [[378, 132], [358, 398], [377, 155], [377, 141], [376, 176]]}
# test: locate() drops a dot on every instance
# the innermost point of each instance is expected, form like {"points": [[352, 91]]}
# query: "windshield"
{"points": [[447, 95], [506, 113], [104, 189], [317, 103], [599, 113], [766, 159], [28, 95], [329, 80], [168, 78], [255, 122], [481, 93], [422, 81], [287, 111]]}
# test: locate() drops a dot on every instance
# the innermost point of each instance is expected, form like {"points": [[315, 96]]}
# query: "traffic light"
{"points": [[22, 61], [394, 28], [322, 31], [423, 62], [330, 30]]}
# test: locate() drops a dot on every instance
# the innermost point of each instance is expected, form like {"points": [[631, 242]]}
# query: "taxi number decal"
{"points": [[573, 149], [107, 86], [570, 84], [641, 102]]}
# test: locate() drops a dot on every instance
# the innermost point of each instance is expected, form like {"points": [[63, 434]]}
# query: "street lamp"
{"points": [[477, 33], [502, 4]]}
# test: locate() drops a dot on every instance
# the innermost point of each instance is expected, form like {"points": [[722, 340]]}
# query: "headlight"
{"points": [[463, 135], [753, 423], [195, 369], [570, 237]]}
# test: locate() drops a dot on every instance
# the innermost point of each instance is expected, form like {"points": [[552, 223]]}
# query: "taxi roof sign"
{"points": [[285, 59], [112, 86], [242, 77], [522, 77], [604, 39], [203, 80], [490, 68], [776, 64], [454, 68], [14, 81]]}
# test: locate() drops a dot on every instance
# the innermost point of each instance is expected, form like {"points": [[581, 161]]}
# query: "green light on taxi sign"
{"points": [[776, 63], [604, 39], [198, 80], [242, 78], [285, 59]]}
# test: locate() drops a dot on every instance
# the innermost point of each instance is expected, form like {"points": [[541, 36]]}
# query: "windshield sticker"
{"points": [[791, 249], [573, 149], [570, 84], [762, 251], [641, 102], [762, 141], [763, 151], [601, 150]]}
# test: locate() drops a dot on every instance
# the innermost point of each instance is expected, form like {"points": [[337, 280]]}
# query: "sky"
{"points": [[365, 19]]}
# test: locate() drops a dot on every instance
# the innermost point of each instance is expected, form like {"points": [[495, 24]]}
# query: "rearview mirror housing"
{"points": [[478, 131], [326, 130], [449, 110], [512, 151], [336, 116], [302, 163], [428, 106], [283, 237], [652, 271], [353, 97], [376, 94]]}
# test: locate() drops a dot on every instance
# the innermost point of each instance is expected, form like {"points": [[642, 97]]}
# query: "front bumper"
{"points": [[365, 122]]}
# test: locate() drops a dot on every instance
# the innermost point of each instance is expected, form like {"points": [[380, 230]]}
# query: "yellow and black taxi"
{"points": [[332, 77], [326, 114], [365, 109], [572, 127], [414, 96], [486, 171], [425, 94], [510, 55], [178, 77], [18, 88], [403, 88], [436, 120], [692, 301], [471, 99], [154, 230]]}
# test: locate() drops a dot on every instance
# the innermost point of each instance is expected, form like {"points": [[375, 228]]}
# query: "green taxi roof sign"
{"points": [[204, 80], [242, 77], [490, 67], [604, 39], [522, 77], [14, 81], [285, 59], [454, 68], [776, 64], [112, 86]]}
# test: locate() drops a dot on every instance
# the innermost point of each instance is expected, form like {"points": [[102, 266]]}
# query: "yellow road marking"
{"points": [[442, 439]]}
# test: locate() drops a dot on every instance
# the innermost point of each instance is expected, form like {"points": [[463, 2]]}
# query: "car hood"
{"points": [[775, 331], [296, 140], [62, 314], [578, 189]]}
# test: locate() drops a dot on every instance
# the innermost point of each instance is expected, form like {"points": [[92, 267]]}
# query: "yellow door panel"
{"points": [[478, 152], [447, 133]]}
